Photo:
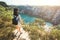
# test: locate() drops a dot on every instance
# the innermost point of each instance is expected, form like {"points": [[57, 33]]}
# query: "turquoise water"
{"points": [[49, 24], [29, 19]]}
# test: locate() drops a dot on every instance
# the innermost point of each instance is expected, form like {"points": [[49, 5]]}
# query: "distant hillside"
{"points": [[48, 13], [3, 4]]}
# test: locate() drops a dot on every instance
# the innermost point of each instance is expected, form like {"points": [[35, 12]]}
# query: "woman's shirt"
{"points": [[19, 20]]}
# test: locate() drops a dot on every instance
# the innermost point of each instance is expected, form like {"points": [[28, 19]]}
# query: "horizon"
{"points": [[33, 2]]}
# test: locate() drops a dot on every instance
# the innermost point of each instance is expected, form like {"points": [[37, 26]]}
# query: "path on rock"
{"points": [[23, 36]]}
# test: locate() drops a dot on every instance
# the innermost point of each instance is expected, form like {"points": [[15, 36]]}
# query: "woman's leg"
{"points": [[18, 28]]}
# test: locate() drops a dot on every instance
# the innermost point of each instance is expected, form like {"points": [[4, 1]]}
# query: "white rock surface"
{"points": [[23, 36]]}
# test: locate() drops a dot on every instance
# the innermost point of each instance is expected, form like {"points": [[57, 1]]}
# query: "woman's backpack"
{"points": [[15, 20]]}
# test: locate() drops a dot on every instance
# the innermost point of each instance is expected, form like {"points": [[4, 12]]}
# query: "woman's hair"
{"points": [[15, 11]]}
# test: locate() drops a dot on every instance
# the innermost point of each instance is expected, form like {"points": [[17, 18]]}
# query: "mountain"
{"points": [[3, 4]]}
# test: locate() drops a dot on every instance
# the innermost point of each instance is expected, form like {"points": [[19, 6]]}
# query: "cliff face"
{"points": [[49, 13], [56, 17]]}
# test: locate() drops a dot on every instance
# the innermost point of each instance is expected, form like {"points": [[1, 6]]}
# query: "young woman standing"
{"points": [[17, 19]]}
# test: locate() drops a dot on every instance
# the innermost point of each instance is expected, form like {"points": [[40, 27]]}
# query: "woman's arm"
{"points": [[19, 17]]}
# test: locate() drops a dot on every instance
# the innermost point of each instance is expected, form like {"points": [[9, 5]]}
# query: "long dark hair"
{"points": [[15, 12]]}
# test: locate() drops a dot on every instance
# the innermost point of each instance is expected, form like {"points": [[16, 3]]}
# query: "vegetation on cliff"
{"points": [[5, 23]]}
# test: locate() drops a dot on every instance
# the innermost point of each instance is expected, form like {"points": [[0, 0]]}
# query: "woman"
{"points": [[17, 19]]}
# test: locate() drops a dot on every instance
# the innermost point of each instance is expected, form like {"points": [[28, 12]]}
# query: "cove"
{"points": [[30, 19]]}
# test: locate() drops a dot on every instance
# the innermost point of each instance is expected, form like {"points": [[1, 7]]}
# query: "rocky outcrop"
{"points": [[56, 17], [21, 36]]}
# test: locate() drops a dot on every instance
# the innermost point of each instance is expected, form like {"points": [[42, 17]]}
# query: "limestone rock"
{"points": [[23, 36]]}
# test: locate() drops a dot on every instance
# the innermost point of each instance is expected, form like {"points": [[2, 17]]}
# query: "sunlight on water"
{"points": [[49, 24]]}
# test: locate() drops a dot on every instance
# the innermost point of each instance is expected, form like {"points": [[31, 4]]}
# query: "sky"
{"points": [[33, 2]]}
